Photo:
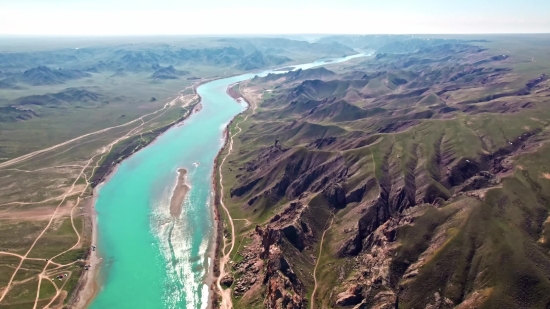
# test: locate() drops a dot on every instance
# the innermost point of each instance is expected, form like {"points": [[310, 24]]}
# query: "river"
{"points": [[149, 259]]}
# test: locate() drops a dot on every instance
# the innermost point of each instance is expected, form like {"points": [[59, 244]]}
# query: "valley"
{"points": [[393, 171], [69, 116]]}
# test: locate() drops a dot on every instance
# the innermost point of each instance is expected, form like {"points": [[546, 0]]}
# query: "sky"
{"points": [[211, 17]]}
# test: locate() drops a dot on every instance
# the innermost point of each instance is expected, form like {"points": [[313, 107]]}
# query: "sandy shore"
{"points": [[180, 191], [88, 286], [215, 249]]}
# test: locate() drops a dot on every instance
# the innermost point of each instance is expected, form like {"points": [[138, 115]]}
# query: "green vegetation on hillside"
{"points": [[422, 172]]}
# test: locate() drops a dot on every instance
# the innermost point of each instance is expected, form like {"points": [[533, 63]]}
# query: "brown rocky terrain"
{"points": [[418, 174]]}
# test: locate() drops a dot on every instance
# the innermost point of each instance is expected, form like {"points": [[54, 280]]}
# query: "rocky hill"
{"points": [[423, 176], [317, 73], [258, 60], [36, 106], [67, 96], [42, 75], [168, 72]]}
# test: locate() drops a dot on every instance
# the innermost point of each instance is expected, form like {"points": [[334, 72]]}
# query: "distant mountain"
{"points": [[216, 56], [149, 59], [133, 58], [280, 46], [317, 73], [168, 72], [334, 48], [297, 75], [28, 107], [258, 60], [69, 96], [14, 113], [8, 83], [415, 45], [43, 75], [11, 61], [397, 44]]}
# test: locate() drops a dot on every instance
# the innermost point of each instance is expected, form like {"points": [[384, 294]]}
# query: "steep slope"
{"points": [[394, 183]]}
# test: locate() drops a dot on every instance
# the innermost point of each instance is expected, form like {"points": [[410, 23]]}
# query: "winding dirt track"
{"points": [[103, 151], [312, 301], [40, 169], [227, 302], [41, 234]]}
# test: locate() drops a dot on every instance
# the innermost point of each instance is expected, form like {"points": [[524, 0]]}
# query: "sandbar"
{"points": [[180, 191]]}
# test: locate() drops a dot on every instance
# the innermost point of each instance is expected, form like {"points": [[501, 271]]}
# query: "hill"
{"points": [[258, 60], [43, 75], [49, 104], [68, 96], [8, 83], [16, 113], [415, 179], [182, 54], [168, 72], [298, 75]]}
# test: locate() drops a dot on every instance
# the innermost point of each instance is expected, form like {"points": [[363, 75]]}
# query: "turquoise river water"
{"points": [[149, 259]]}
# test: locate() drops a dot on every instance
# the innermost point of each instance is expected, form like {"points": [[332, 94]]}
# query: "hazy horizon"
{"points": [[247, 17]]}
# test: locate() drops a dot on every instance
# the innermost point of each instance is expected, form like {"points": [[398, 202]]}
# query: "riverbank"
{"points": [[218, 221], [89, 285], [214, 254], [218, 187], [127, 147]]}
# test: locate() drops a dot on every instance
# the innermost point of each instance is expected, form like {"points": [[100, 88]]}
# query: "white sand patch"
{"points": [[205, 296]]}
